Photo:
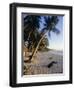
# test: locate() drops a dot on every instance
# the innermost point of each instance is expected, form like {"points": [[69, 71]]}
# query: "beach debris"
{"points": [[50, 57], [51, 64]]}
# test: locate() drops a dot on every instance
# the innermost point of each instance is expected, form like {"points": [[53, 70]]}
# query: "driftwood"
{"points": [[51, 64]]}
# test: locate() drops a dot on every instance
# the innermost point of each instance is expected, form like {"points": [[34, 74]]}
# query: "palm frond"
{"points": [[55, 30], [49, 34], [54, 19]]}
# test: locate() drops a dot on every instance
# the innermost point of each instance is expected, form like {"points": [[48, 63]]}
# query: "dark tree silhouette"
{"points": [[31, 26]]}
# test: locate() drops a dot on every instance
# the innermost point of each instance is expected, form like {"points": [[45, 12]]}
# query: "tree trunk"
{"points": [[30, 34], [38, 46]]}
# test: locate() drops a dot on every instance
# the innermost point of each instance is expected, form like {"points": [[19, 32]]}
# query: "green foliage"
{"points": [[43, 45], [50, 24], [31, 24]]}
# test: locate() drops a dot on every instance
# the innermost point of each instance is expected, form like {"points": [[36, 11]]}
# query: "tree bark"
{"points": [[38, 45], [30, 34]]}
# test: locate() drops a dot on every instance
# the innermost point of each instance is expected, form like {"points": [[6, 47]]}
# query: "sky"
{"points": [[56, 41]]}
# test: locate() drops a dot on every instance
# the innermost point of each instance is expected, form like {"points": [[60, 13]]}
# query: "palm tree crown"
{"points": [[50, 24], [31, 24]]}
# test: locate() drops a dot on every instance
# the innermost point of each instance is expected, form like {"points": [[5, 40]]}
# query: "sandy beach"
{"points": [[43, 60]]}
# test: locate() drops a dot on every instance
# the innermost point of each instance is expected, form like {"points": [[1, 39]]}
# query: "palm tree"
{"points": [[49, 26], [31, 26], [31, 34]]}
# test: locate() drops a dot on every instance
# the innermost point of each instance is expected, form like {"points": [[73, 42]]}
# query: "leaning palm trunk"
{"points": [[30, 34], [38, 46]]}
